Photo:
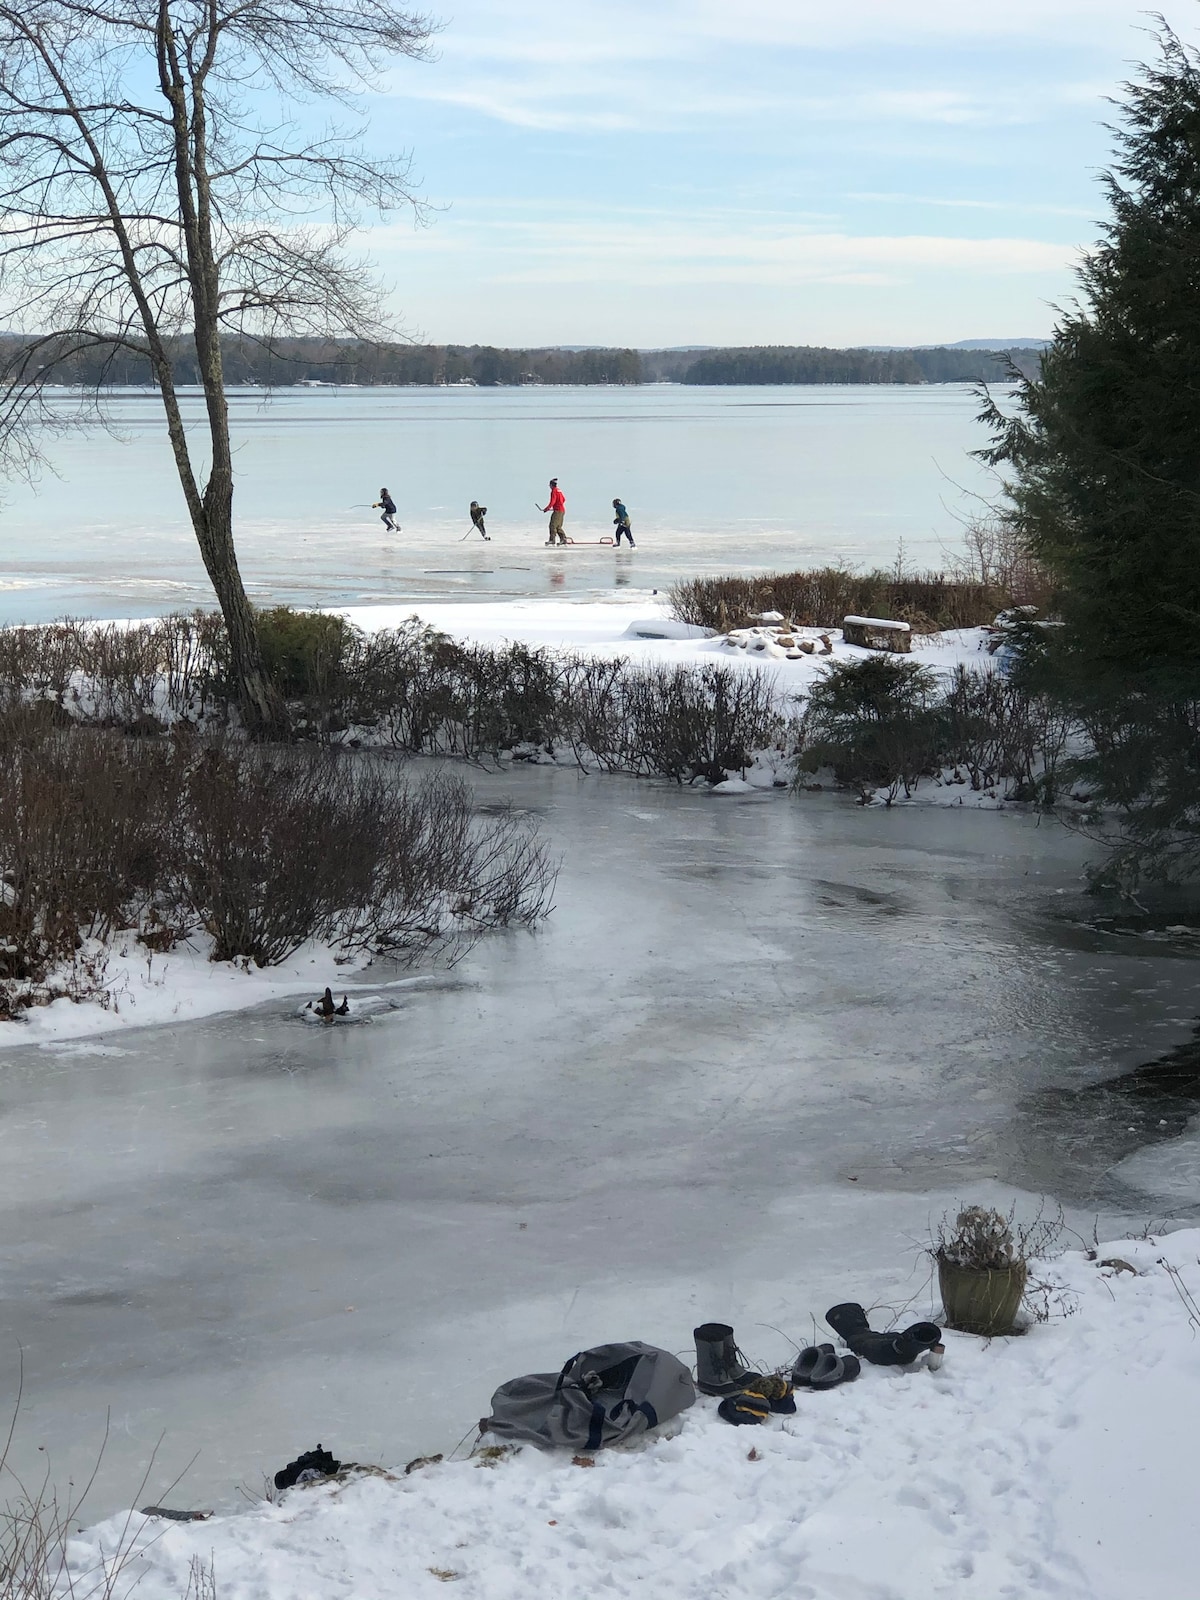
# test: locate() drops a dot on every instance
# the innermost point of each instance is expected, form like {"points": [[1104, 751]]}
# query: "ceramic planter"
{"points": [[981, 1300]]}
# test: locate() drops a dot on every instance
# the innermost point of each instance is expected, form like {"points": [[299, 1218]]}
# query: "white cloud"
{"points": [[815, 258], [716, 248], [612, 65], [960, 203]]}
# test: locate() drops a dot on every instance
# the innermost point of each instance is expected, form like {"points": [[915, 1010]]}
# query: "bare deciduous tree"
{"points": [[160, 186]]}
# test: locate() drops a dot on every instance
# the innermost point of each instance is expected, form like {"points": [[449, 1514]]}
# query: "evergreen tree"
{"points": [[1103, 466]]}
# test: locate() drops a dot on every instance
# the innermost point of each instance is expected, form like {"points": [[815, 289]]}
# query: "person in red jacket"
{"points": [[557, 509]]}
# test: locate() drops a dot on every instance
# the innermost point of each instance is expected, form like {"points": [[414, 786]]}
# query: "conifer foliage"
{"points": [[1102, 461]]}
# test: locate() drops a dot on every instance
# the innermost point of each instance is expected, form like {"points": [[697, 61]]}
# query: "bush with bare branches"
{"points": [[822, 597], [262, 847]]}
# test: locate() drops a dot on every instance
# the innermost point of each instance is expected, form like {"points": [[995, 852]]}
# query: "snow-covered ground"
{"points": [[641, 628], [1059, 1465], [135, 988]]}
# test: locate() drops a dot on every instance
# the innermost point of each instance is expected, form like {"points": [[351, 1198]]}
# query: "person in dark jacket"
{"points": [[622, 524], [387, 505], [478, 513]]}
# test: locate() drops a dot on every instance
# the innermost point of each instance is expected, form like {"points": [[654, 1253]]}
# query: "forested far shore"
{"points": [[328, 361]]}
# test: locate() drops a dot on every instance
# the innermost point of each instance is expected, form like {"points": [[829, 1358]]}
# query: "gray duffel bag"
{"points": [[602, 1396]]}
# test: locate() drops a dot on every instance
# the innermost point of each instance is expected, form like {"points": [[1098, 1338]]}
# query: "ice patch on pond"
{"points": [[1169, 1171]]}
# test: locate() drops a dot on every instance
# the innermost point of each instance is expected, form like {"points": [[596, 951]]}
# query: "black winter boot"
{"points": [[311, 1467], [719, 1369], [893, 1349]]}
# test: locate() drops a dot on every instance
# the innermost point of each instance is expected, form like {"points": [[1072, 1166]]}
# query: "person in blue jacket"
{"points": [[622, 524]]}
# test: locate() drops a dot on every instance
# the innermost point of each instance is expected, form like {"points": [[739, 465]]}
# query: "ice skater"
{"points": [[557, 509], [387, 505], [622, 524], [478, 513]]}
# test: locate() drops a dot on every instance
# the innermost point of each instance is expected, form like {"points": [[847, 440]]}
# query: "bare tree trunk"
{"points": [[262, 709], [212, 512]]}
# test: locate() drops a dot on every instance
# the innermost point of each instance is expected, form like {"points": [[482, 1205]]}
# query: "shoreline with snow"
{"points": [[1058, 1464], [640, 627], [137, 988]]}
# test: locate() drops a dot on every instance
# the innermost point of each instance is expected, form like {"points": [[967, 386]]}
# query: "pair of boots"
{"points": [[895, 1349]]}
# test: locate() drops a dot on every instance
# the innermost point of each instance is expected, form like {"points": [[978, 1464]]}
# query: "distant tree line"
{"points": [[813, 364], [308, 360]]}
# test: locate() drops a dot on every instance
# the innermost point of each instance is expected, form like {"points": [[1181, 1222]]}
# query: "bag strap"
{"points": [[644, 1406]]}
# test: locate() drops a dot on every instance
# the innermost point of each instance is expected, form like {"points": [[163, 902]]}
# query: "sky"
{"points": [[675, 172]]}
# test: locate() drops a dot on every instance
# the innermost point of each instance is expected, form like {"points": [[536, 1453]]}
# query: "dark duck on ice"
{"points": [[325, 1008]]}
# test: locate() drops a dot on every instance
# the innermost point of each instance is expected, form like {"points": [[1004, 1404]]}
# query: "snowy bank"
{"points": [[135, 988], [641, 628], [1061, 1464]]}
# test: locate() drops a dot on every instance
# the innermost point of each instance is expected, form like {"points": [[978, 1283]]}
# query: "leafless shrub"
{"points": [[86, 832], [691, 722], [122, 671], [118, 676], [285, 846], [928, 602], [194, 659], [438, 696], [263, 847], [592, 715], [202, 1580], [1186, 1298], [993, 557], [410, 688], [38, 663], [999, 730]]}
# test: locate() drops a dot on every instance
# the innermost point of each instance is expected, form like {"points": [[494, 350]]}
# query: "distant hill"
{"points": [[813, 364], [999, 344]]}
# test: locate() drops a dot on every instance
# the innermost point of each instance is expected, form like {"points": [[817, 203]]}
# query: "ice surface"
{"points": [[717, 480], [759, 1044]]}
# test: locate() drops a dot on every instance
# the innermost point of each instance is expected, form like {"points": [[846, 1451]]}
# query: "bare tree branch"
{"points": [[160, 186]]}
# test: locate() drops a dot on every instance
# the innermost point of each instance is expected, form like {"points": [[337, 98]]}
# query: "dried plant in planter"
{"points": [[981, 1239], [982, 1261]]}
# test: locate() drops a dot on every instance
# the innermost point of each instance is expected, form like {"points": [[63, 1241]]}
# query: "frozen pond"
{"points": [[716, 480], [760, 1043]]}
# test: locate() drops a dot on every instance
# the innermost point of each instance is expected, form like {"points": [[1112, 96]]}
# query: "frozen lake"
{"points": [[760, 1044], [716, 480]]}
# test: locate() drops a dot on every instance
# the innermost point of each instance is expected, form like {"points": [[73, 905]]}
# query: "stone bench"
{"points": [[876, 633]]}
